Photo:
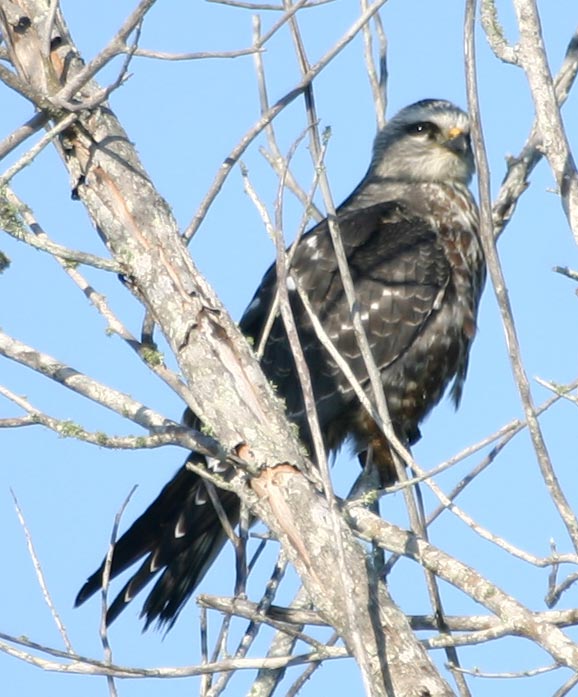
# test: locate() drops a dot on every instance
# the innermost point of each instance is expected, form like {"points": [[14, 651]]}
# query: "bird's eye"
{"points": [[423, 128]]}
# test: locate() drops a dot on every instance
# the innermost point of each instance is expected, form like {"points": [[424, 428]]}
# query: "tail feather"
{"points": [[180, 578], [179, 535]]}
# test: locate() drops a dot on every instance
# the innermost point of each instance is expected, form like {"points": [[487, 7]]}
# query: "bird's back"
{"points": [[417, 276]]}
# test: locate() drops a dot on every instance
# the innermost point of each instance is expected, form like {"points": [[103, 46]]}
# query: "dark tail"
{"points": [[179, 536]]}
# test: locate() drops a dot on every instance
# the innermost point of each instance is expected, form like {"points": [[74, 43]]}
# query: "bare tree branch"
{"points": [[40, 576], [499, 284], [221, 382], [519, 167], [533, 60], [17, 137], [515, 618], [272, 112], [142, 236], [15, 217]]}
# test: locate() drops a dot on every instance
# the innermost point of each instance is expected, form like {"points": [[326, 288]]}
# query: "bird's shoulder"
{"points": [[385, 241]]}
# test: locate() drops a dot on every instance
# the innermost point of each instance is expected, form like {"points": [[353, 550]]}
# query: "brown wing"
{"points": [[401, 276], [400, 273]]}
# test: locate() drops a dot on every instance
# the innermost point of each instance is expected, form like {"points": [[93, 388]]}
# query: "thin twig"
{"points": [[567, 686], [73, 664], [191, 56], [149, 355], [27, 158], [283, 643], [258, 6], [295, 688], [519, 168], [16, 216], [531, 672], [301, 616], [103, 630], [40, 576], [274, 309], [104, 395], [66, 428], [556, 592], [274, 157], [499, 284], [203, 631], [506, 434], [495, 33], [273, 112], [254, 626], [533, 60], [377, 79], [49, 26], [22, 133], [565, 271], [26, 90], [115, 46]]}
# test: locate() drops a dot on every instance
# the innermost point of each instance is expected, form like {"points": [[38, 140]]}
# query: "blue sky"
{"points": [[184, 119]]}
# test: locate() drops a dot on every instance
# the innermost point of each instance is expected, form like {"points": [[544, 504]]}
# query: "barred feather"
{"points": [[410, 234]]}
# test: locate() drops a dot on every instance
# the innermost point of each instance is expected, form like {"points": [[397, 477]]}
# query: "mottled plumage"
{"points": [[410, 235]]}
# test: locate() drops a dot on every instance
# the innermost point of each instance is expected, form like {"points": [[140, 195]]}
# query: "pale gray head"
{"points": [[426, 141]]}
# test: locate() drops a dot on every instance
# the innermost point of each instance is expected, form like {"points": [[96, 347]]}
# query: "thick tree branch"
{"points": [[516, 619]]}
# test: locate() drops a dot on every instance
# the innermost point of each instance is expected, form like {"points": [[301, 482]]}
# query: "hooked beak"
{"points": [[458, 141]]}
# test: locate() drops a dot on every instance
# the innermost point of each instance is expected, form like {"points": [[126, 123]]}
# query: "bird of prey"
{"points": [[410, 233]]}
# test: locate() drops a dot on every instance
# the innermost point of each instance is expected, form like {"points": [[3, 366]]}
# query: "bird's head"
{"points": [[426, 141]]}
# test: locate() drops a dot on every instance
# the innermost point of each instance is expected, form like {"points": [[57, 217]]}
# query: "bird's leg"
{"points": [[241, 552], [368, 482]]}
